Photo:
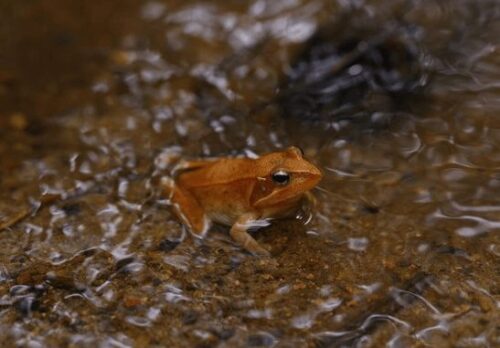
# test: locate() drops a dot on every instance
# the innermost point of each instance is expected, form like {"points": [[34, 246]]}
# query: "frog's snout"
{"points": [[315, 173]]}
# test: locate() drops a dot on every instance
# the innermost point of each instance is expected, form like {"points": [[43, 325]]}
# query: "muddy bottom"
{"points": [[396, 102]]}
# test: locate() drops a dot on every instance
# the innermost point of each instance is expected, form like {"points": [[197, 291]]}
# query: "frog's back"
{"points": [[223, 187], [221, 172]]}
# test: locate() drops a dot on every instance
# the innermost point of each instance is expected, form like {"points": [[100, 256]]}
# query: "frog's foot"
{"points": [[242, 237], [186, 207]]}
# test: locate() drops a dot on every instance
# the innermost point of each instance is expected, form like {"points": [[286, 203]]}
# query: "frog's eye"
{"points": [[281, 177], [295, 151]]}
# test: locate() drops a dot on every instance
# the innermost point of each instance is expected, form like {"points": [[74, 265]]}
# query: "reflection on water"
{"points": [[402, 247]]}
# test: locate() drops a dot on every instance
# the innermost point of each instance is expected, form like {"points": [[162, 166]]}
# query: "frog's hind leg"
{"points": [[186, 207], [185, 166]]}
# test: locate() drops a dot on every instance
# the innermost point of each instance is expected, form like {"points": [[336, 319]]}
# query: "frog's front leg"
{"points": [[239, 233], [311, 199], [186, 207]]}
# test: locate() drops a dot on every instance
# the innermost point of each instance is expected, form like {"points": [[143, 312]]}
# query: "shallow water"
{"points": [[402, 248]]}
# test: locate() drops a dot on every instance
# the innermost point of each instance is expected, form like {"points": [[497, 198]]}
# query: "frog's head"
{"points": [[283, 176]]}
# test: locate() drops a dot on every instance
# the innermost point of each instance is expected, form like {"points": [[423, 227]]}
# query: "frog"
{"points": [[240, 192]]}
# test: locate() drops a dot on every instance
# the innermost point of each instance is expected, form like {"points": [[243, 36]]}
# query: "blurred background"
{"points": [[396, 101]]}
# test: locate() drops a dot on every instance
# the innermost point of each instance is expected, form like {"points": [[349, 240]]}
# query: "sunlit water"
{"points": [[402, 248]]}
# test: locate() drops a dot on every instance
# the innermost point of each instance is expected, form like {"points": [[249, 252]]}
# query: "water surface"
{"points": [[397, 102]]}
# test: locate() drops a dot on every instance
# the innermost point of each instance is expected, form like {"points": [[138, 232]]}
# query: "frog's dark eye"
{"points": [[281, 177]]}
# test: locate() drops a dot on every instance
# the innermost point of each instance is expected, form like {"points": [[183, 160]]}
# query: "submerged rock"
{"points": [[348, 73]]}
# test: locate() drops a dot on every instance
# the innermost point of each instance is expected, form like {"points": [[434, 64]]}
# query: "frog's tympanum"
{"points": [[239, 191]]}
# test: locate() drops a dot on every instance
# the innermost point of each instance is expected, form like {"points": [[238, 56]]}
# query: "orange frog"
{"points": [[240, 191]]}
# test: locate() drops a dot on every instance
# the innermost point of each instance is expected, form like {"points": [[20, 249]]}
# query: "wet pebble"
{"points": [[71, 209], [190, 317], [168, 245], [262, 339], [123, 263], [62, 280], [27, 304], [357, 244], [131, 301], [224, 333], [18, 121]]}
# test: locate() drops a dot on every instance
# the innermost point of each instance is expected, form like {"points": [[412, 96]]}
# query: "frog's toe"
{"points": [[260, 251], [168, 186], [200, 227]]}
